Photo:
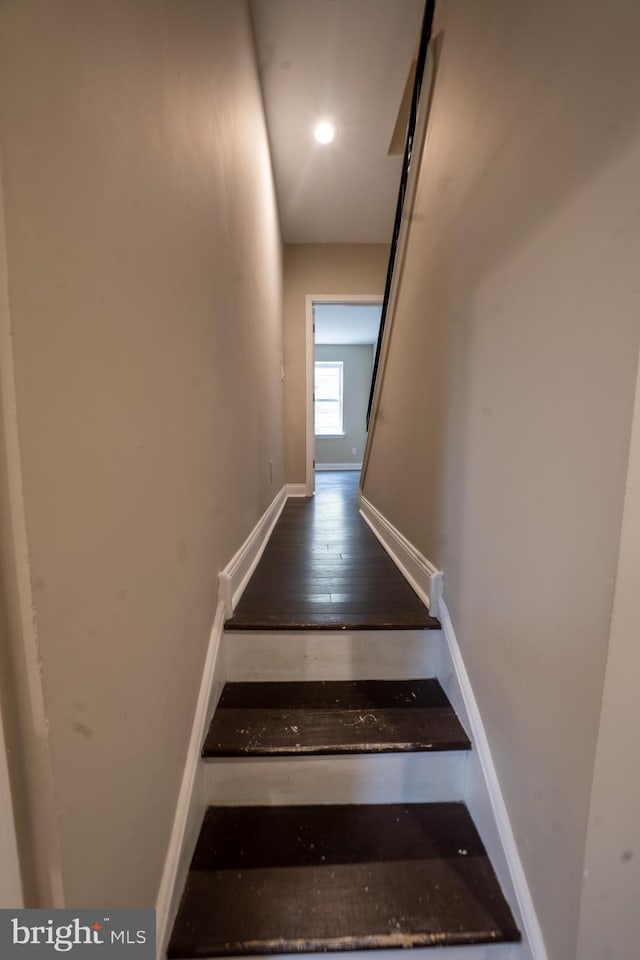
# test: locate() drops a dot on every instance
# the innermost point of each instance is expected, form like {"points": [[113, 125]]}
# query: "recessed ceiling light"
{"points": [[324, 132]]}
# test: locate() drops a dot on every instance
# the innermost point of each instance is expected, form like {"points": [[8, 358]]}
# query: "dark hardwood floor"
{"points": [[324, 569]]}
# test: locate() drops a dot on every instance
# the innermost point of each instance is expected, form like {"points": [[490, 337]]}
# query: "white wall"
{"points": [[501, 443], [146, 329]]}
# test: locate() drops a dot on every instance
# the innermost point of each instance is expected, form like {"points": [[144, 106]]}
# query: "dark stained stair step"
{"points": [[330, 620], [328, 717], [315, 878]]}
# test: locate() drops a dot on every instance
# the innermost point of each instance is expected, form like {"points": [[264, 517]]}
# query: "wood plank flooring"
{"points": [[298, 879], [324, 569]]}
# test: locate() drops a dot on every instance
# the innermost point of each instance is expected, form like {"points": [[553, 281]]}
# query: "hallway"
{"points": [[168, 220], [323, 568]]}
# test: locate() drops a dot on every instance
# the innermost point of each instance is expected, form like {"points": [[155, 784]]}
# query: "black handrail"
{"points": [[425, 37]]}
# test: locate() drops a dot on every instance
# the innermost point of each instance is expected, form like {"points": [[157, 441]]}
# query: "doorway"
{"points": [[341, 337]]}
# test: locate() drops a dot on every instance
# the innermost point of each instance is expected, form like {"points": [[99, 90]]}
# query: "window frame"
{"points": [[339, 364]]}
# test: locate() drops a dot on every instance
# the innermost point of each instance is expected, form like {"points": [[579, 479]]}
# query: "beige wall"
{"points": [[609, 911], [358, 365], [500, 447], [145, 280], [25, 723], [318, 269]]}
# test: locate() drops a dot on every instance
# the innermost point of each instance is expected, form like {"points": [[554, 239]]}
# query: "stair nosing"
{"points": [[340, 750]]}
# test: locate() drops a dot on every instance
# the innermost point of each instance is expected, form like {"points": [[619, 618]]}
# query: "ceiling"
{"points": [[346, 323], [348, 61]]}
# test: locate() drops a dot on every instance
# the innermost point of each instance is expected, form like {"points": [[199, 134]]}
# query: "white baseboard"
{"points": [[331, 655], [192, 801], [237, 573], [425, 579], [298, 490], [349, 778], [483, 795], [338, 466]]}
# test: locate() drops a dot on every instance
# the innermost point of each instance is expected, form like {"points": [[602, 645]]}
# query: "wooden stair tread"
{"points": [[303, 879], [325, 717]]}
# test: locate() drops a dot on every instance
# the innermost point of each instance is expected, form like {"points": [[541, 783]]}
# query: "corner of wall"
{"points": [[39, 873]]}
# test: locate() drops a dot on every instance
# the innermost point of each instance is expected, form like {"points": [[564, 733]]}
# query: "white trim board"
{"points": [[483, 795], [338, 466], [298, 490], [425, 579], [237, 573], [192, 798]]}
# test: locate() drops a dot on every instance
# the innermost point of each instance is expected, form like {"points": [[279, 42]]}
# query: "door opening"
{"points": [[342, 332]]}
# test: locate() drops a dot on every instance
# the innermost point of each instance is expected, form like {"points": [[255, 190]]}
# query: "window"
{"points": [[328, 398]]}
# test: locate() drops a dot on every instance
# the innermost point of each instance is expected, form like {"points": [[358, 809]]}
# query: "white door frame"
{"points": [[366, 299]]}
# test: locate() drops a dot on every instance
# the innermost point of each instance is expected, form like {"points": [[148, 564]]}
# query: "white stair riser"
{"points": [[329, 655], [360, 778]]}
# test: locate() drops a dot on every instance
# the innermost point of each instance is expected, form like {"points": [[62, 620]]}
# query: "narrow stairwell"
{"points": [[335, 769]]}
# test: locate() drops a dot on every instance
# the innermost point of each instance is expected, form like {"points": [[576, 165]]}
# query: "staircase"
{"points": [[335, 778], [335, 764]]}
